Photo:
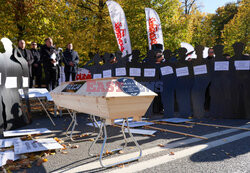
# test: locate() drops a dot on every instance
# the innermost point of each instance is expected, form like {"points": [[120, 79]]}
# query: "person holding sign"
{"points": [[71, 60], [50, 63]]}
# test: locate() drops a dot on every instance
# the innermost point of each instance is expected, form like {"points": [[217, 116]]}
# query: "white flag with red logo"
{"points": [[120, 26], [154, 30]]}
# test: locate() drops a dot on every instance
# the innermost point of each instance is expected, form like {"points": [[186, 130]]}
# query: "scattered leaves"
{"points": [[108, 152], [171, 153], [64, 152], [121, 152], [74, 146], [161, 145], [121, 166]]}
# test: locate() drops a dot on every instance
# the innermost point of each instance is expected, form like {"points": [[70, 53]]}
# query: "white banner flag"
{"points": [[120, 26], [154, 30]]}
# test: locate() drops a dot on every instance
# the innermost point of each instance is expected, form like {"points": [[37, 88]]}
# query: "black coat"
{"points": [[29, 58], [70, 56], [37, 60], [46, 53]]}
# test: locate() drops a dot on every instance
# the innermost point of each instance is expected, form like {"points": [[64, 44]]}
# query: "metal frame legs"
{"points": [[103, 128], [73, 122]]}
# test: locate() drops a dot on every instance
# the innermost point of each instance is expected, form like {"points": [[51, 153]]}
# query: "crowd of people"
{"points": [[48, 59]]}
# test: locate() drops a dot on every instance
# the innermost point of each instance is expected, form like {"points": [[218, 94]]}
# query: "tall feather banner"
{"points": [[154, 30], [120, 26]]}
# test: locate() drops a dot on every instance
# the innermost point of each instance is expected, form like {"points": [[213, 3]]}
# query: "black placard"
{"points": [[73, 86], [128, 86]]}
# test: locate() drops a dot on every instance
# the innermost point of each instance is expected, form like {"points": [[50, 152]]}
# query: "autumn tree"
{"points": [[223, 15], [238, 28]]}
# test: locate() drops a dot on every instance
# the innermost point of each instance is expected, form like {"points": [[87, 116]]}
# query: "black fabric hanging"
{"points": [[16, 71]]}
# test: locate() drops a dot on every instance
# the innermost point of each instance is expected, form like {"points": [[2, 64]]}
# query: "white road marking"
{"points": [[140, 166], [96, 164]]}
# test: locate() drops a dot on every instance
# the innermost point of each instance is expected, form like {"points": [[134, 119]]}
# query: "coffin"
{"points": [[109, 98]]}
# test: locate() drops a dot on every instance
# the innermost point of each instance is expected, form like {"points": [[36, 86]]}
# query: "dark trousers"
{"points": [[51, 77], [67, 76], [37, 79]]}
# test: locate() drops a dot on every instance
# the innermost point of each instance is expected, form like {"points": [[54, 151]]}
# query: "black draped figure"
{"points": [[201, 69], [17, 75], [96, 68], [221, 89], [107, 67], [184, 84], [134, 67], [2, 82], [119, 68], [152, 81], [168, 77], [241, 81]]}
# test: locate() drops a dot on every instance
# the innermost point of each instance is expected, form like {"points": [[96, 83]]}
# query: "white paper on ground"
{"points": [[242, 65], [175, 120], [107, 73], [120, 71], [8, 142], [7, 155], [37, 92], [166, 70], [97, 76], [36, 145], [221, 66], [200, 69], [115, 121], [25, 82], [141, 131], [25, 132], [11, 82], [149, 72], [137, 123], [91, 124], [183, 71], [134, 72]]}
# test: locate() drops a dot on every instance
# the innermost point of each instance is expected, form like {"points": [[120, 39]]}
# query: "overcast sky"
{"points": [[210, 6]]}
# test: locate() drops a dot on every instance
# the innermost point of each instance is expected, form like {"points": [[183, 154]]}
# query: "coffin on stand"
{"points": [[109, 98]]}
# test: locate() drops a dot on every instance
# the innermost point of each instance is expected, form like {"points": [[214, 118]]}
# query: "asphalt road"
{"points": [[226, 150]]}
